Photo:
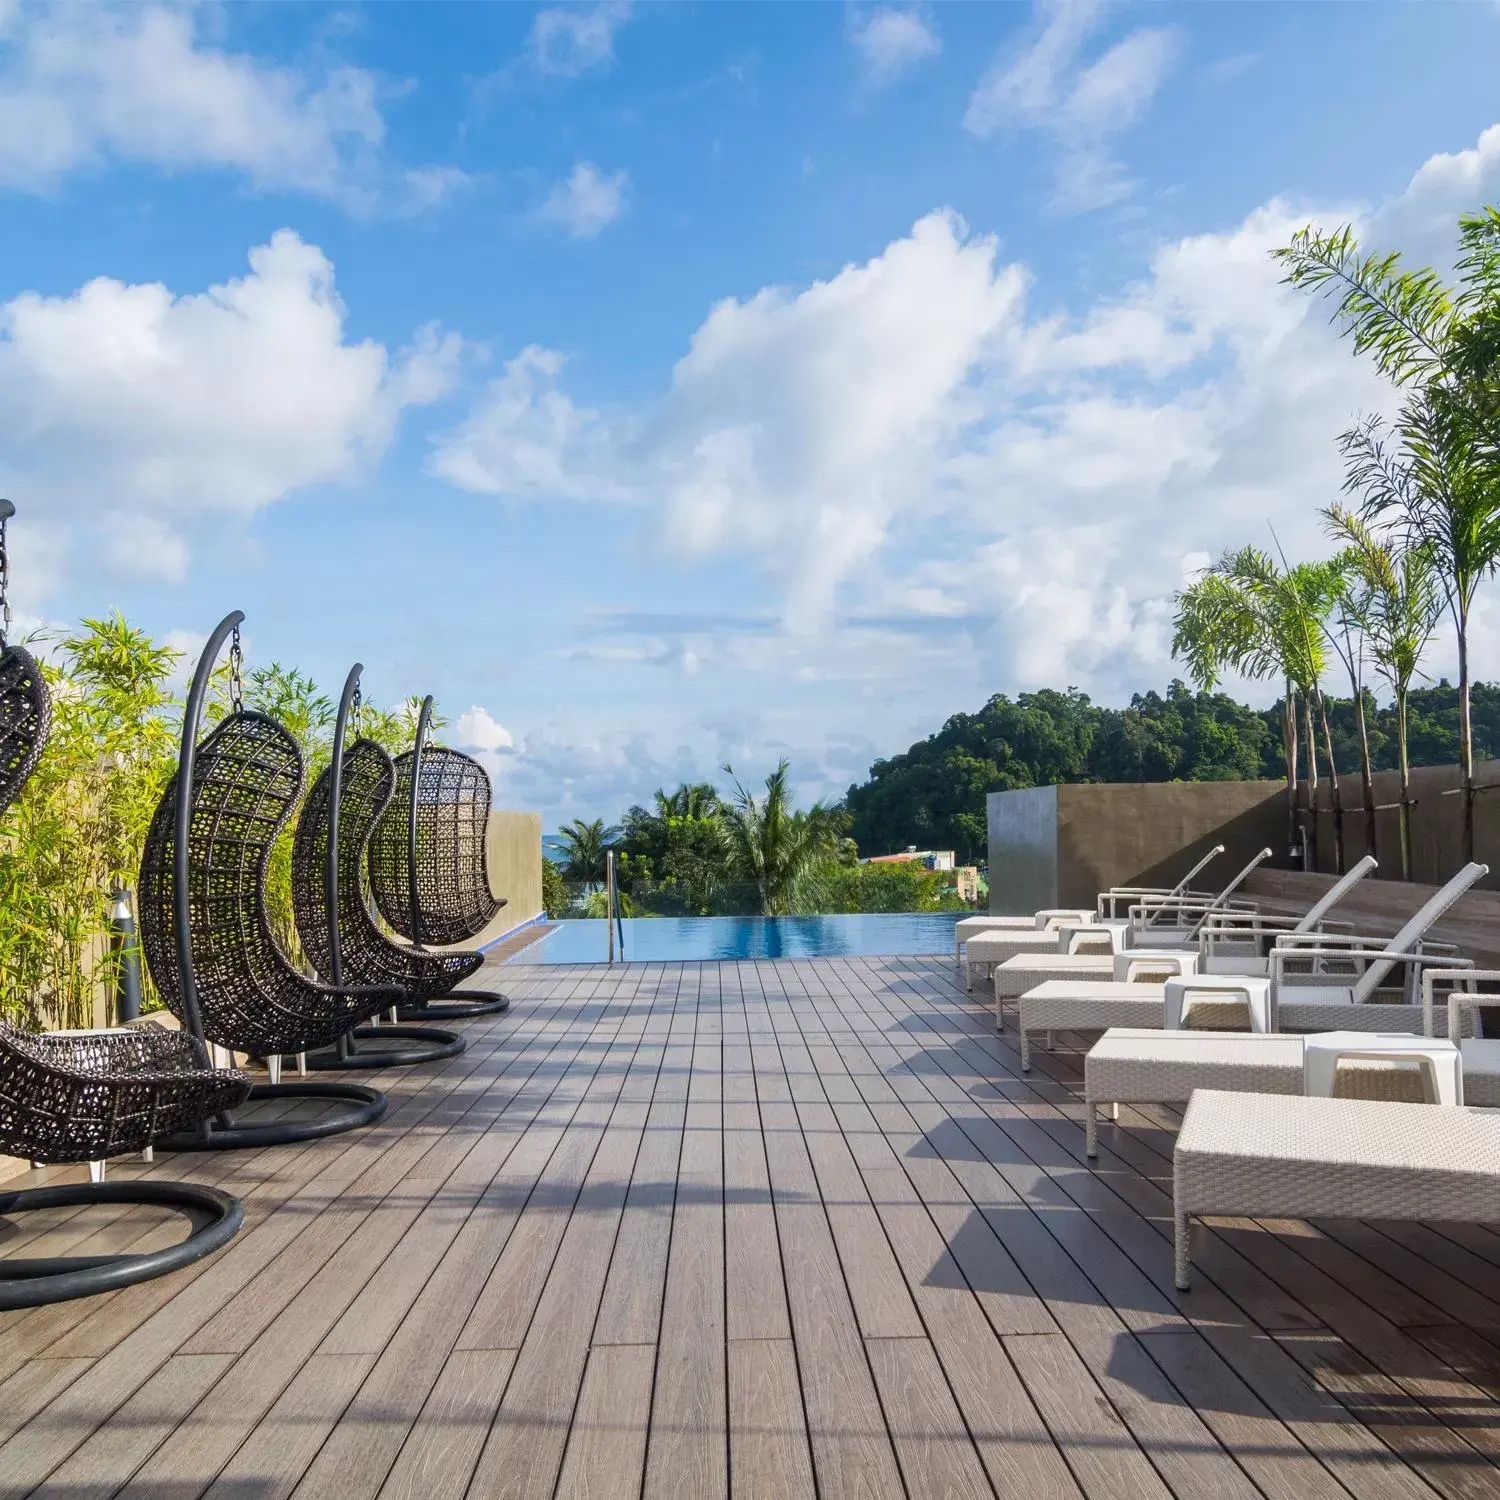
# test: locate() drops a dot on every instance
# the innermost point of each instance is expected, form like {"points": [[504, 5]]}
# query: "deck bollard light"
{"points": [[125, 948]]}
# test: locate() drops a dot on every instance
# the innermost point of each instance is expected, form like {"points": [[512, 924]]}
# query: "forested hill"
{"points": [[933, 795]]}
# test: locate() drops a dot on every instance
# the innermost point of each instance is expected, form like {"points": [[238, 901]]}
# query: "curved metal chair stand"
{"points": [[70, 1097], [107, 1093], [328, 902], [203, 920], [427, 867]]}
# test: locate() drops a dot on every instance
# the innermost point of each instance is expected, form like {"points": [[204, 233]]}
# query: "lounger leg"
{"points": [[1091, 1128], [1025, 1048], [273, 1067], [1051, 1044], [302, 1065], [96, 1171], [1181, 1247], [1114, 1111], [149, 1154], [968, 979]]}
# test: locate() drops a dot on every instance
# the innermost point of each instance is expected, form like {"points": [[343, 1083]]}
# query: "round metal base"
{"points": [[216, 1218], [382, 1047], [461, 1005], [367, 1105]]}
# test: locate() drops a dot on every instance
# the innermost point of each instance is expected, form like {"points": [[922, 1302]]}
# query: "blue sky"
{"points": [[667, 384]]}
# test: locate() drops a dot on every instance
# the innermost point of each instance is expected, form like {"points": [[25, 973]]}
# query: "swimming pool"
{"points": [[664, 939]]}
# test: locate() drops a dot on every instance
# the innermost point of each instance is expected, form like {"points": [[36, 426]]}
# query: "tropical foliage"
{"points": [[1431, 477]]}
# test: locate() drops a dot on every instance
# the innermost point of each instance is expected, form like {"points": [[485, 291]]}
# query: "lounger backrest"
{"points": [[1416, 929], [1186, 882], [1229, 890], [1180, 889], [1334, 894]]}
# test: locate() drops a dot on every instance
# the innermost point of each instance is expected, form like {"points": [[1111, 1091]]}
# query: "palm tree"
{"points": [[585, 846], [780, 850], [1427, 478], [1346, 634], [1435, 475], [691, 800], [1244, 614], [1402, 601]]}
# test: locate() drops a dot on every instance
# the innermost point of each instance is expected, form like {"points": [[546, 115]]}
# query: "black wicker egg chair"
{"points": [[83, 1096], [203, 919], [427, 866], [328, 901]]}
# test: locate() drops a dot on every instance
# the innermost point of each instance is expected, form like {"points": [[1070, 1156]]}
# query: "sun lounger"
{"points": [[1178, 927], [1274, 1157], [1049, 917], [1478, 1053], [1323, 1001], [1140, 1066], [1076, 1005], [988, 950], [1237, 943], [1174, 921], [971, 927], [1025, 971]]}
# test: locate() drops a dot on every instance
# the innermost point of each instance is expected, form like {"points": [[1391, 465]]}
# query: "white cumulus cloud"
{"points": [[83, 84], [150, 409], [476, 729]]}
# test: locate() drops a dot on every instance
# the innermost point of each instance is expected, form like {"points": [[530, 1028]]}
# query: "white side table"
{"points": [[1440, 1061], [1153, 965], [1214, 989], [1091, 936]]}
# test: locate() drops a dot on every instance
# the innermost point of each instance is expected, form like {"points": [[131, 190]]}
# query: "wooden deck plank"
{"points": [[438, 1458], [936, 1452], [606, 1453], [687, 1452], [768, 1445]]}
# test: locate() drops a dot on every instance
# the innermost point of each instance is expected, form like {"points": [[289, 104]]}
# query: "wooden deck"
{"points": [[775, 1230]]}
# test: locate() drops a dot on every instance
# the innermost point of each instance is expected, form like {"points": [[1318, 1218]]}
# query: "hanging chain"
{"points": [[358, 704], [4, 585], [236, 683]]}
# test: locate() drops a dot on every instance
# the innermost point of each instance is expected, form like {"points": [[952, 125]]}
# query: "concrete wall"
{"points": [[513, 846], [1152, 833], [1023, 824], [1437, 823], [1060, 846]]}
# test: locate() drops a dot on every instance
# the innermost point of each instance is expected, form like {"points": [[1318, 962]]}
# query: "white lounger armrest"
{"points": [[1460, 1000], [1414, 961]]}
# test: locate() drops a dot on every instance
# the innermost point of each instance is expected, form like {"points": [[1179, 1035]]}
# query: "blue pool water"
{"points": [[661, 939]]}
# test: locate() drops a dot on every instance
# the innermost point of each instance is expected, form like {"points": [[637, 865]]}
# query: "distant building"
{"points": [[965, 877], [929, 859]]}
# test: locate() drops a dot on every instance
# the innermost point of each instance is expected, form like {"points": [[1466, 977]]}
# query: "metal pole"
{"points": [[342, 1046], [609, 899], [423, 721], [187, 983], [335, 800]]}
